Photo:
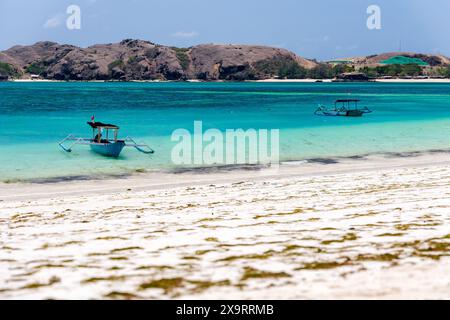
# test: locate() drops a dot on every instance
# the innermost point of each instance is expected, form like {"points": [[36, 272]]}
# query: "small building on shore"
{"points": [[352, 76]]}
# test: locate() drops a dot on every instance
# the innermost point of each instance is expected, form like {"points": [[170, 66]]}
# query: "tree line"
{"points": [[329, 71]]}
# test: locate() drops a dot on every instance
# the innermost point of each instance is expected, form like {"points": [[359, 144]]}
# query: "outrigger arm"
{"points": [[75, 140], [140, 147]]}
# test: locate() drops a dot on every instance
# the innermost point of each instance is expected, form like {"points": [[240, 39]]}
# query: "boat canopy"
{"points": [[96, 125]]}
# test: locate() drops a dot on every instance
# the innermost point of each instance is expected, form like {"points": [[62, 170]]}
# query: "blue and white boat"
{"points": [[101, 142], [343, 108]]}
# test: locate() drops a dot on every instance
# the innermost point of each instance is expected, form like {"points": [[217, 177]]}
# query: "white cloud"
{"points": [[184, 34], [53, 22]]}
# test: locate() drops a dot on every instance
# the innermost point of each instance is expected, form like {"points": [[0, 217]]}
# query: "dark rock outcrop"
{"points": [[144, 60], [352, 76], [235, 62]]}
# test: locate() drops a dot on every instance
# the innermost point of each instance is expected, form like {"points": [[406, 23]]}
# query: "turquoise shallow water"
{"points": [[35, 116]]}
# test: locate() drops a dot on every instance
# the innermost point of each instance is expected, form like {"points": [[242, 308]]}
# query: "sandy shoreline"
{"points": [[376, 80], [377, 228], [46, 188]]}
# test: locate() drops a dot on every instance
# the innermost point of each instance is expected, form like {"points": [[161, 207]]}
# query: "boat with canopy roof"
{"points": [[103, 141], [343, 108]]}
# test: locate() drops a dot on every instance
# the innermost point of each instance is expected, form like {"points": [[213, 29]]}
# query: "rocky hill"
{"points": [[144, 60]]}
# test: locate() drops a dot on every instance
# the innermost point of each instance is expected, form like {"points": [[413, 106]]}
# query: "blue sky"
{"points": [[322, 29]]}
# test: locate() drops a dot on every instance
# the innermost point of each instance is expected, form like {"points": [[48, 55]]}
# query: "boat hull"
{"points": [[112, 149], [342, 113], [354, 113]]}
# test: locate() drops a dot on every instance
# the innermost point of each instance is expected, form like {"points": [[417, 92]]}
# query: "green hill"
{"points": [[404, 60]]}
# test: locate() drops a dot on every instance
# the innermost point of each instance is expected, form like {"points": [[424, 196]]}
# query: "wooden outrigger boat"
{"points": [[104, 145], [343, 108]]}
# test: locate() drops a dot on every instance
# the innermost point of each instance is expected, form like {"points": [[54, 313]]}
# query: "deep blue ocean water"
{"points": [[35, 116]]}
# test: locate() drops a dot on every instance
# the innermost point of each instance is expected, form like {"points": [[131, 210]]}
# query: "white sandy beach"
{"points": [[414, 80], [364, 229], [377, 80]]}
